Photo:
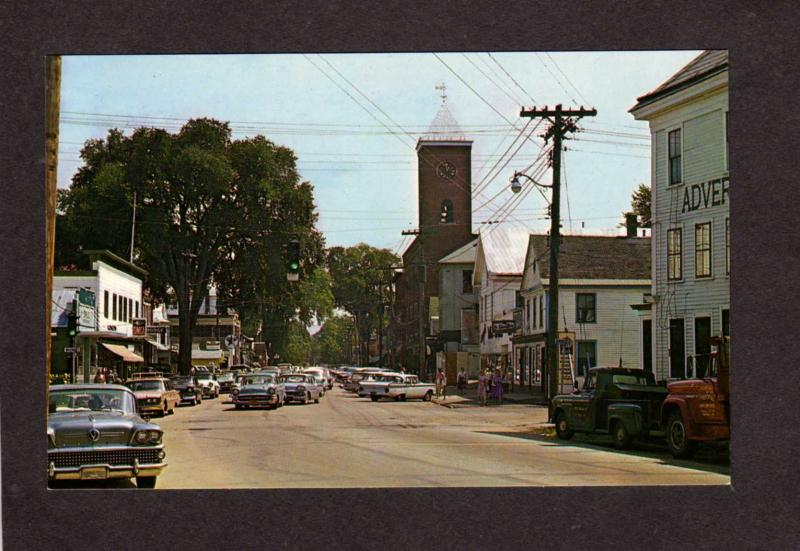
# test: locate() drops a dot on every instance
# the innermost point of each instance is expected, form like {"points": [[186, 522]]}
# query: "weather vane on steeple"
{"points": [[443, 88]]}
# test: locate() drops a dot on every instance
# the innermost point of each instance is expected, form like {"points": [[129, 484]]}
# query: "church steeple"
{"points": [[444, 127]]}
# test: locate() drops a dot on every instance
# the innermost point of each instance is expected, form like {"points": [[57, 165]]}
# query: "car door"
{"points": [[581, 410]]}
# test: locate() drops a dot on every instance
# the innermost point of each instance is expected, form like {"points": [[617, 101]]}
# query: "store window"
{"points": [[586, 307], [702, 250], [105, 304], [674, 139], [541, 310], [114, 306], [674, 254]]}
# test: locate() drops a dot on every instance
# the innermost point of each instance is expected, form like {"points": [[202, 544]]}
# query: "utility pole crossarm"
{"points": [[546, 112]]}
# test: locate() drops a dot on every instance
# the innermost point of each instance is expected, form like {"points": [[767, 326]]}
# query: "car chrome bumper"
{"points": [[102, 470], [257, 401]]}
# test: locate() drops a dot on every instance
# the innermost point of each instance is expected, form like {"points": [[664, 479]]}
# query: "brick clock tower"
{"points": [[444, 159]]}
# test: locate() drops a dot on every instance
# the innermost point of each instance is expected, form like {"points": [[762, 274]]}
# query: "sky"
{"points": [[353, 121]]}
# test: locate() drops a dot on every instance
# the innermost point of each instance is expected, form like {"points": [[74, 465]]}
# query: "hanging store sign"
{"points": [[502, 327], [87, 320], [139, 326], [708, 194]]}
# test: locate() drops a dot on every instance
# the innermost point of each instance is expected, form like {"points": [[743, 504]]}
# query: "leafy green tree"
{"points": [[361, 276], [202, 199], [332, 343], [640, 205], [298, 344]]}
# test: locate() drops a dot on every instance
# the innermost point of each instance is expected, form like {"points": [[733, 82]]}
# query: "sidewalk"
{"points": [[469, 397]]}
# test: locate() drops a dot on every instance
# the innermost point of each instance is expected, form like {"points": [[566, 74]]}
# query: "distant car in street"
{"points": [[411, 388], [326, 375], [187, 387], [300, 387], [155, 395], [94, 433], [226, 381], [208, 382], [260, 390]]}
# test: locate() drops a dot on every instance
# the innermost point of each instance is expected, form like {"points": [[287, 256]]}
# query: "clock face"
{"points": [[446, 170]]}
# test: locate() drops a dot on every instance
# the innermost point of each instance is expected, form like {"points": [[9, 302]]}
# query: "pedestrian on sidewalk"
{"points": [[497, 386], [482, 379], [438, 381], [461, 380], [444, 384]]}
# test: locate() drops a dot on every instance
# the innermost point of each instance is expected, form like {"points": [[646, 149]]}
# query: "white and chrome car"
{"points": [[300, 387], [207, 381], [259, 389], [408, 387]]}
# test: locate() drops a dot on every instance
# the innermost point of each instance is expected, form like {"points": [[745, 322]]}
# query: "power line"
{"points": [[567, 78], [518, 85]]}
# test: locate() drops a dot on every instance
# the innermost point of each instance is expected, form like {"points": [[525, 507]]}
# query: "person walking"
{"points": [[438, 381], [461, 380], [482, 388], [444, 384], [497, 386]]}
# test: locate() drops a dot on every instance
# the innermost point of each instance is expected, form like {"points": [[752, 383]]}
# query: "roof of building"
{"points": [[595, 257], [462, 255], [444, 128], [113, 260], [504, 250], [708, 63]]}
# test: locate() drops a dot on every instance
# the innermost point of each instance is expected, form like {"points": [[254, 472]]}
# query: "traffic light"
{"points": [[72, 324], [293, 260]]}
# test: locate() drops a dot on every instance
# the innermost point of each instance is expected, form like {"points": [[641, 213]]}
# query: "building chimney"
{"points": [[631, 224]]}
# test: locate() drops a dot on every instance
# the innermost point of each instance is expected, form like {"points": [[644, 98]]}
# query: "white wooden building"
{"points": [[498, 274], [690, 302], [599, 278]]}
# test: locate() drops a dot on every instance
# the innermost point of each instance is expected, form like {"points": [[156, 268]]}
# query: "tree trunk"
{"points": [[184, 336]]}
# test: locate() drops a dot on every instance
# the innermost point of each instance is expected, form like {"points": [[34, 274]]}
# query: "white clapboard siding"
{"points": [[704, 159]]}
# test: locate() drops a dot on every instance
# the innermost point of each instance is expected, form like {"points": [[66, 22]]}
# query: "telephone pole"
{"points": [[562, 122]]}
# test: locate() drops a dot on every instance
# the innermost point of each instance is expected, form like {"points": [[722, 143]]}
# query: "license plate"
{"points": [[94, 473]]}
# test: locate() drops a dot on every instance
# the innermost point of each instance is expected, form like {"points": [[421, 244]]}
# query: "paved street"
{"points": [[346, 441]]}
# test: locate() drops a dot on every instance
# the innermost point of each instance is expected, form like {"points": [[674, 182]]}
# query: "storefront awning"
{"points": [[125, 354]]}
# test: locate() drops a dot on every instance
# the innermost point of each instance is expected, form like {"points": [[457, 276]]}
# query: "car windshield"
{"points": [[90, 399], [182, 380], [203, 376], [293, 379], [630, 379], [225, 377], [147, 385], [259, 380]]}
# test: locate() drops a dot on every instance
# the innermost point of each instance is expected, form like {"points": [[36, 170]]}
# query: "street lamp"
{"points": [[516, 185]]}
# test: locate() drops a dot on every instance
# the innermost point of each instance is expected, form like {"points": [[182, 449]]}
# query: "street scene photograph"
{"points": [[477, 269]]}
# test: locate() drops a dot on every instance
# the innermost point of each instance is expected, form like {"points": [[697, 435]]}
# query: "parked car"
{"points": [[376, 385], [300, 387], [410, 388], [94, 433], [187, 387], [326, 375], [208, 382], [260, 390], [226, 381], [620, 401], [155, 396], [351, 384]]}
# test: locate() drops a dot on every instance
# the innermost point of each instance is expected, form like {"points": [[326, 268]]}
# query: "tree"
{"points": [[640, 205], [298, 344], [200, 195], [361, 276], [332, 343]]}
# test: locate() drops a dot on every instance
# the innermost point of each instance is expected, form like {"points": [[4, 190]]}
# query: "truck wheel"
{"points": [[373, 397], [428, 396], [146, 482], [316, 400], [622, 438], [562, 427], [677, 439]]}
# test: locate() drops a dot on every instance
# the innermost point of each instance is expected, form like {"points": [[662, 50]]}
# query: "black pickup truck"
{"points": [[623, 402]]}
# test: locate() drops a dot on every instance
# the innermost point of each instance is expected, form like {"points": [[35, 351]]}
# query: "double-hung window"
{"points": [[702, 250], [674, 145], [674, 254], [586, 305]]}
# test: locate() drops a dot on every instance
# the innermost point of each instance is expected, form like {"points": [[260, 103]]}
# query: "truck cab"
{"points": [[619, 401], [698, 409]]}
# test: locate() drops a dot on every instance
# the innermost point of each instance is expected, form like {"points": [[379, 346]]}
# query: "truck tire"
{"points": [[562, 427], [373, 397], [622, 438], [678, 441]]}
